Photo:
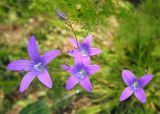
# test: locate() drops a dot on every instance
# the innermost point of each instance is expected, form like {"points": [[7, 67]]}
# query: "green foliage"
{"points": [[138, 36], [38, 107], [87, 12]]}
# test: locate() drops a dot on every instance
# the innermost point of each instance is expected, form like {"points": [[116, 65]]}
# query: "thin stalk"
{"points": [[70, 25], [62, 17]]}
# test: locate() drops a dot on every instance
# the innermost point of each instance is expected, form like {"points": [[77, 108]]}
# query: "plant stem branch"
{"points": [[70, 25]]}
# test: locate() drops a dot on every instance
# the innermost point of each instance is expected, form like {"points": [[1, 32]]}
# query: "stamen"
{"points": [[81, 74], [38, 67], [135, 85]]}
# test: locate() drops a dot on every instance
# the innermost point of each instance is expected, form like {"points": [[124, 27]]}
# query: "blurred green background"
{"points": [[128, 32]]}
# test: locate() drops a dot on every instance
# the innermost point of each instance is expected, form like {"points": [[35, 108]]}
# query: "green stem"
{"points": [[70, 25]]}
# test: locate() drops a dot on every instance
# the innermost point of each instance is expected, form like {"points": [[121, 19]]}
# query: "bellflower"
{"points": [[134, 85], [36, 67], [61, 15], [80, 74], [84, 49]]}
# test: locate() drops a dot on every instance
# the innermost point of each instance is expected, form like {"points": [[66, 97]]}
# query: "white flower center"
{"points": [[135, 85], [81, 74], [38, 67], [84, 52]]}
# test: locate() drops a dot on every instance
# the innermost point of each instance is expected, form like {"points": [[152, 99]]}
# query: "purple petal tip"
{"points": [[65, 67], [21, 91], [50, 86], [8, 67], [32, 37], [68, 88], [127, 92]]}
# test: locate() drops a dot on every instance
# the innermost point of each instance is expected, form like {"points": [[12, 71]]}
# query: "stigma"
{"points": [[135, 85], [38, 67], [81, 74]]}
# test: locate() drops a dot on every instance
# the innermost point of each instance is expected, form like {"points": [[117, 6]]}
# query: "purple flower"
{"points": [[60, 15], [134, 85], [80, 74], [85, 48], [35, 67]]}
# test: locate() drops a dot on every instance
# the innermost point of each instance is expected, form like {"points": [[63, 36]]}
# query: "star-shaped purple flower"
{"points": [[84, 49], [134, 85], [80, 74], [35, 67]]}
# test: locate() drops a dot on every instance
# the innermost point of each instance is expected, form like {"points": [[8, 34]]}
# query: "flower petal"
{"points": [[20, 65], [86, 60], [45, 78], [79, 58], [139, 93], [144, 80], [128, 77], [95, 51], [127, 92], [61, 15], [72, 53], [72, 70], [48, 56], [27, 79], [86, 84], [74, 42], [32, 49], [72, 81], [93, 69], [88, 40], [82, 59]]}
